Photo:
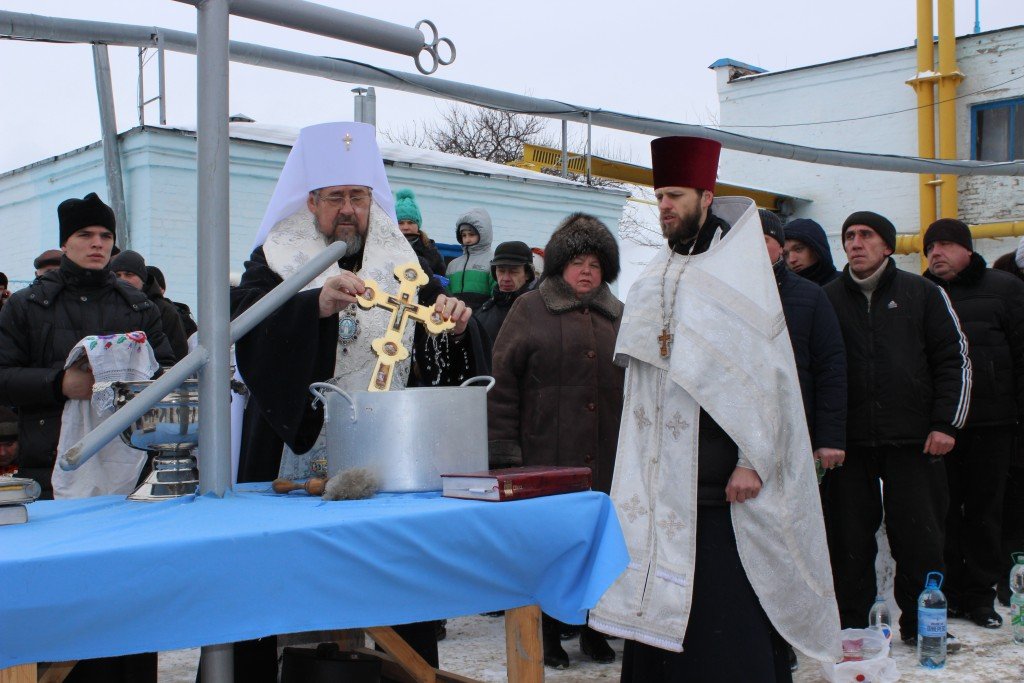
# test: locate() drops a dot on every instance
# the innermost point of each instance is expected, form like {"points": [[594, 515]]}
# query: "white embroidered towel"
{"points": [[116, 467]]}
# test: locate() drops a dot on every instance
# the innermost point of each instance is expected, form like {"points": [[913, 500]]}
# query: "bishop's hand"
{"points": [[454, 309], [338, 292]]}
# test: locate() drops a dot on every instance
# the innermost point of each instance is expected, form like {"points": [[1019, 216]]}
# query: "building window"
{"points": [[997, 130]]}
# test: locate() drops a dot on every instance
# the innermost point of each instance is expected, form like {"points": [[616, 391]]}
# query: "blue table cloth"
{"points": [[104, 576]]}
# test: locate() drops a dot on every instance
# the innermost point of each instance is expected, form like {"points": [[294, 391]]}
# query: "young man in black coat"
{"points": [[38, 328], [990, 305], [909, 379]]}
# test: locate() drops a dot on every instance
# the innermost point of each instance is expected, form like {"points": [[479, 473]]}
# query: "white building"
{"points": [[864, 104], [159, 169]]}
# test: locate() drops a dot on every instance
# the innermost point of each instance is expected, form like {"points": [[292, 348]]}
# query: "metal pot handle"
{"points": [[483, 378], [320, 398]]}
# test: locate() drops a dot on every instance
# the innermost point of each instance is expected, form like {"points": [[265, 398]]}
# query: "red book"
{"points": [[516, 483]]}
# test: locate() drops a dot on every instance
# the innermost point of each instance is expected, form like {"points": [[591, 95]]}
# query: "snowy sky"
{"points": [[643, 57]]}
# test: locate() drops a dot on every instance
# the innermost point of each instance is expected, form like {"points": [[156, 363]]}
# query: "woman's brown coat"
{"points": [[558, 396]]}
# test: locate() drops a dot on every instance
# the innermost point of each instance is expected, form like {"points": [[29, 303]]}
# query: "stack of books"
{"points": [[15, 493]]}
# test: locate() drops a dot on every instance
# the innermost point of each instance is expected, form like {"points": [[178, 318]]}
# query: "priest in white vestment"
{"points": [[714, 481]]}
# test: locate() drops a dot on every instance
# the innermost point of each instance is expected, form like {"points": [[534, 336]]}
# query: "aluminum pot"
{"points": [[407, 438]]}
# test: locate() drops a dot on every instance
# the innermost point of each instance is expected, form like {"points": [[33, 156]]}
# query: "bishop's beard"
{"points": [[354, 245]]}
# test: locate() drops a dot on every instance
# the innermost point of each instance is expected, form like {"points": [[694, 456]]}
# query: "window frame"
{"points": [[1012, 103]]}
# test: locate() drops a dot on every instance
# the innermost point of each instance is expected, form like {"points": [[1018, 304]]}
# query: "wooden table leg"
{"points": [[410, 660], [23, 673], [523, 648], [55, 672]]}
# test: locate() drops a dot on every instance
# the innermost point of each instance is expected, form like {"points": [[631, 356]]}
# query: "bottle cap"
{"points": [[933, 580], [1018, 558]]}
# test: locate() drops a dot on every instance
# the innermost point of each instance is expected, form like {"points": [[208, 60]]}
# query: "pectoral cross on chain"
{"points": [[666, 342], [404, 309]]}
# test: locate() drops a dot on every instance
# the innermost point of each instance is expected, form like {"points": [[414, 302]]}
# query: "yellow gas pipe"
{"points": [[924, 84], [911, 244], [949, 79]]}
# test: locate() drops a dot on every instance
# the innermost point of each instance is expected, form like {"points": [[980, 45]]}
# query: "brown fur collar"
{"points": [[559, 298]]}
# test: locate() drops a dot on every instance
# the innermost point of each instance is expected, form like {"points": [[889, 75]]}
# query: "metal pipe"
{"points": [[111, 428], [249, 318], [330, 22], [161, 77], [565, 148], [949, 78], [590, 129], [72, 30], [357, 109], [214, 266], [213, 262], [370, 107], [924, 84], [111, 155], [140, 100]]}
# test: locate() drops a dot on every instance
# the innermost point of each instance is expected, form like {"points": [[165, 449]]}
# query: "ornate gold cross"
{"points": [[348, 141], [403, 308]]}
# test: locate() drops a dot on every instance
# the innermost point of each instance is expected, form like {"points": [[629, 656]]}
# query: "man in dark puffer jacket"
{"points": [[990, 305], [42, 323], [38, 328], [909, 379]]}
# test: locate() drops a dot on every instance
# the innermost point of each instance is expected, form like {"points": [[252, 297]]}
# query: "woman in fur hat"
{"points": [[558, 395]]}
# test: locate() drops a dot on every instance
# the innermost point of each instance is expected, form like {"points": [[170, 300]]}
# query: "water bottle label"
{"points": [[931, 622], [1016, 614]]}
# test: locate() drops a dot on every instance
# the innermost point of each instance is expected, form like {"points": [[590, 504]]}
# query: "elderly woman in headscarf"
{"points": [[558, 395]]}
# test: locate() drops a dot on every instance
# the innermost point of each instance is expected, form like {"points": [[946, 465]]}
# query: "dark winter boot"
{"points": [[554, 655], [594, 645]]}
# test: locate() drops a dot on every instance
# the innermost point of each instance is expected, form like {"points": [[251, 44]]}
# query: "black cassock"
{"points": [[278, 359], [294, 347]]}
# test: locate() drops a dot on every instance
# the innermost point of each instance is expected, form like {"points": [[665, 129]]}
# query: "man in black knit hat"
{"points": [[38, 328], [990, 305], [909, 381]]}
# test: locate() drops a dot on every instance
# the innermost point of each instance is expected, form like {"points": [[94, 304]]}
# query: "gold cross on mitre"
{"points": [[403, 308], [348, 141]]}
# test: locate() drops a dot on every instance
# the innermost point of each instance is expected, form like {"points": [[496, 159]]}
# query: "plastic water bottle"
{"points": [[1017, 600], [931, 623], [879, 618]]}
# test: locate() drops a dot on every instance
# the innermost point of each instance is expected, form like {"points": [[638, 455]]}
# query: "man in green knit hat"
{"points": [[410, 222]]}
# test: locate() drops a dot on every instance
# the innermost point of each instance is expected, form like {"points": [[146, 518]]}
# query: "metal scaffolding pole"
{"points": [[111, 155], [71, 30], [214, 266], [327, 21]]}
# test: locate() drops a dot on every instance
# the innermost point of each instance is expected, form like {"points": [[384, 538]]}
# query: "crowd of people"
{"points": [[730, 449]]}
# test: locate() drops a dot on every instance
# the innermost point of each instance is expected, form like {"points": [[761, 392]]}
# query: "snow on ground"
{"points": [[475, 647]]}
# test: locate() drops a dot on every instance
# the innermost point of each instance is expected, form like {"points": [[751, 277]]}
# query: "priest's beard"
{"points": [[685, 230]]}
